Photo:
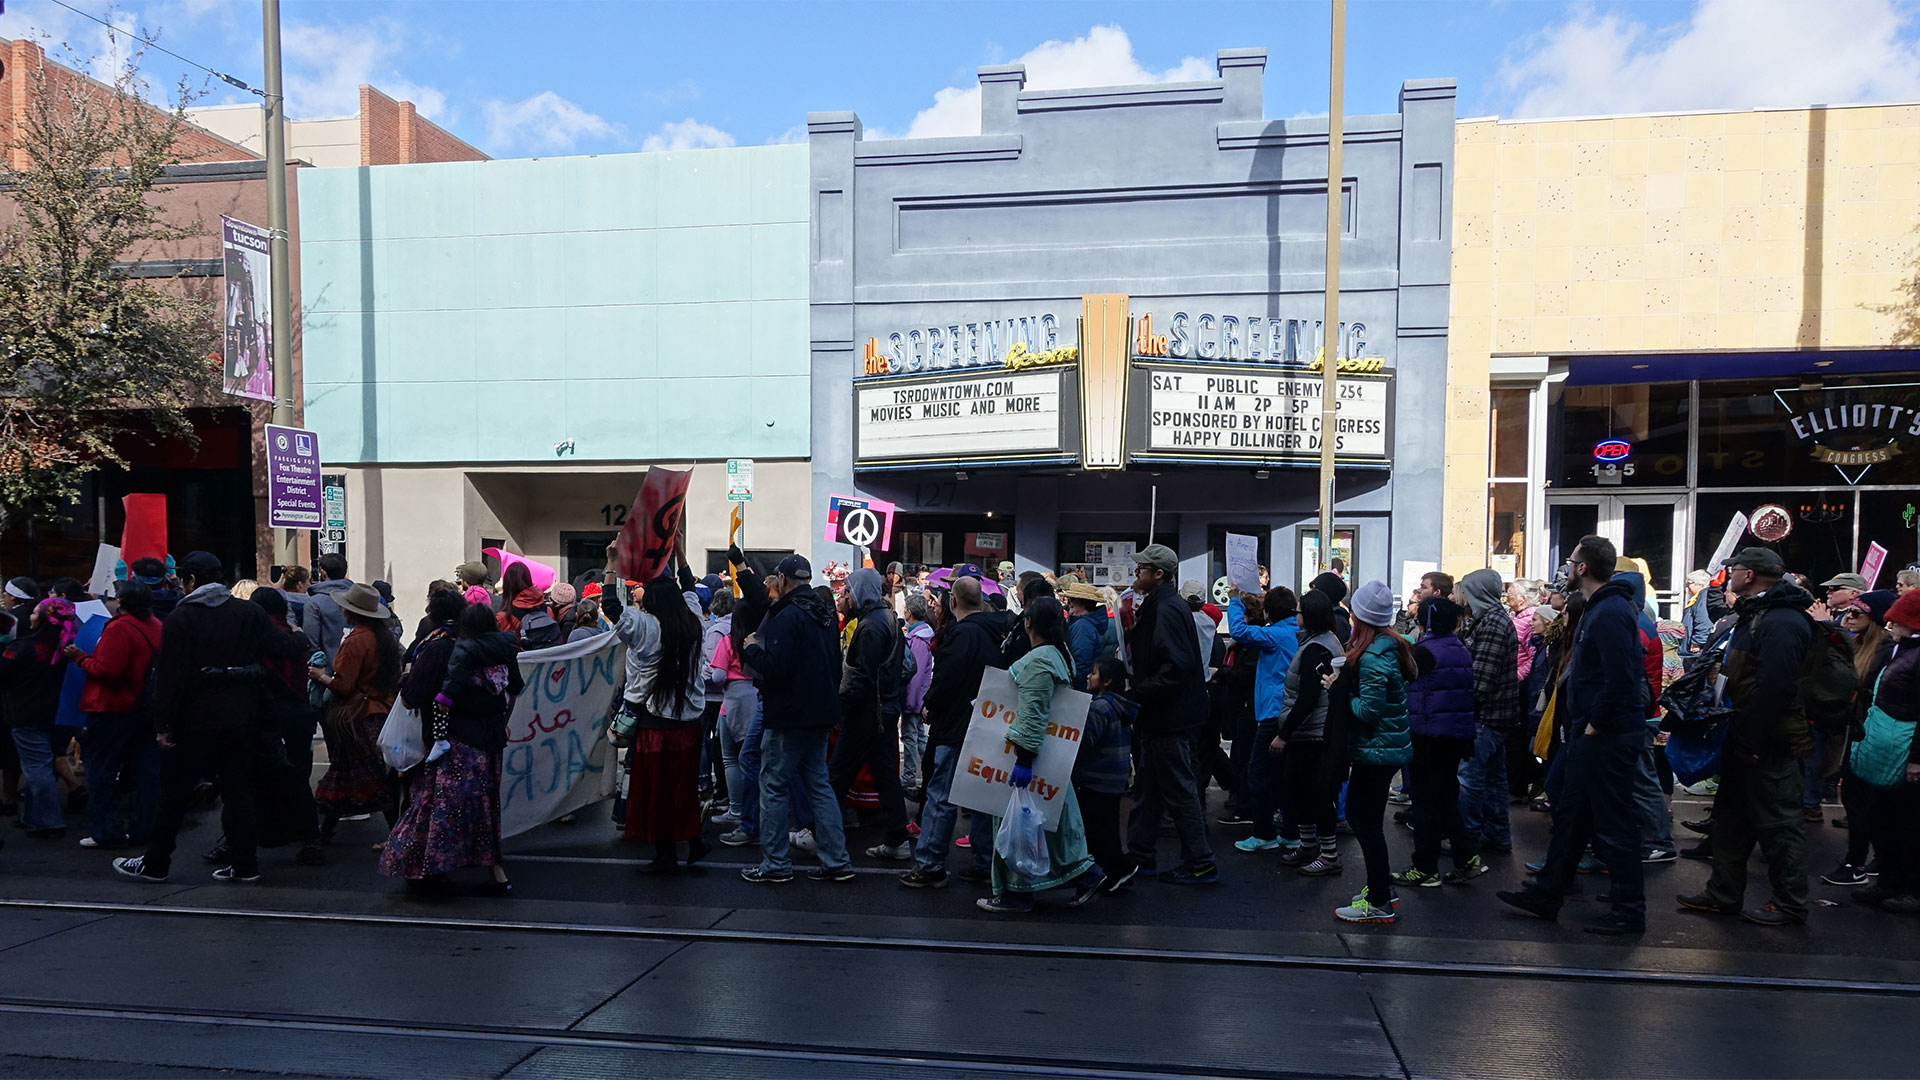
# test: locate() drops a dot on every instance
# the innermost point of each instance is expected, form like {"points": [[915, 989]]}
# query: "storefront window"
{"points": [[1507, 527], [1892, 520], [1618, 436], [1819, 543], [1510, 416], [1761, 433]]}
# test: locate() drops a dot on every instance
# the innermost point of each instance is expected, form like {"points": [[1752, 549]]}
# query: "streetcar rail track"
{"points": [[1361, 965]]}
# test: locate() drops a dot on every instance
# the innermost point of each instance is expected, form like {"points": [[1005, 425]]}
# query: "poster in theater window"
{"points": [[247, 360]]}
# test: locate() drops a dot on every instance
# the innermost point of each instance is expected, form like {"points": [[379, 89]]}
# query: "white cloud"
{"points": [[1728, 54], [688, 134], [326, 65], [795, 134], [1104, 57], [545, 121]]}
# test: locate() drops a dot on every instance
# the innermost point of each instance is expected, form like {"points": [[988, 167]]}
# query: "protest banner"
{"points": [[1870, 566], [1243, 563], [557, 758], [105, 558], [647, 538], [986, 757]]}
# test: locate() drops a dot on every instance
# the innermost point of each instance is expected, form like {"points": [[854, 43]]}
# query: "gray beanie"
{"points": [[1372, 604]]}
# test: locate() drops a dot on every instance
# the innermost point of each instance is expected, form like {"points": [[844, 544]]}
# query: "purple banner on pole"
{"points": [[248, 355], [293, 478]]}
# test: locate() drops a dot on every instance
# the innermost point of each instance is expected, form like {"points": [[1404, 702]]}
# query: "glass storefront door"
{"points": [[1650, 527]]}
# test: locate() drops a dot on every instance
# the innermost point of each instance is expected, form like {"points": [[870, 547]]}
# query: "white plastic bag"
{"points": [[402, 746], [1022, 837]]}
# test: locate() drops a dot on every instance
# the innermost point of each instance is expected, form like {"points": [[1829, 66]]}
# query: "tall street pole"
{"points": [[1330, 319], [285, 546]]}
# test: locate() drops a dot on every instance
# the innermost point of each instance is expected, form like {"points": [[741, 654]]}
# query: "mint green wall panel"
{"points": [[485, 311]]}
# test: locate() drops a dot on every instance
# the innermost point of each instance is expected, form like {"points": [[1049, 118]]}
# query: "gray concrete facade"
{"points": [[941, 255]]}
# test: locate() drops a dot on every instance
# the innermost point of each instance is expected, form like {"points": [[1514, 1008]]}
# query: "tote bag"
{"points": [[1880, 759]]}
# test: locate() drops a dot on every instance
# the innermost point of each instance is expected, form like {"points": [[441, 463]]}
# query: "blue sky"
{"points": [[591, 76]]}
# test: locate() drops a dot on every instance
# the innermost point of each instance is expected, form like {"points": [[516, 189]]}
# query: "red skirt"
{"points": [[663, 793]]}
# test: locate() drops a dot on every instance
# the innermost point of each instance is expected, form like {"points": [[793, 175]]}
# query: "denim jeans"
{"points": [[1483, 789], [40, 799], [122, 758], [1655, 827], [798, 758], [749, 786], [730, 764], [937, 815], [913, 746]]}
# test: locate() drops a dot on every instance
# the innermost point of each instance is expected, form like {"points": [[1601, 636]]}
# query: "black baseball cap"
{"points": [[1759, 560], [795, 566]]}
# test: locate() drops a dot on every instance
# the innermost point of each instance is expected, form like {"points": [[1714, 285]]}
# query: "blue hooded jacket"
{"points": [[1275, 646], [1606, 674]]}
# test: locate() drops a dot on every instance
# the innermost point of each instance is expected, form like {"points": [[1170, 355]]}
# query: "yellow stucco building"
{"points": [[1660, 321]]}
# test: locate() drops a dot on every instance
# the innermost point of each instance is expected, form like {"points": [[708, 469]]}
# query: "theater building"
{"points": [[1664, 321], [1097, 324]]}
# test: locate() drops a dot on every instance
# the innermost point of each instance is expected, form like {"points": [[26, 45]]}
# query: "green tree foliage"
{"points": [[90, 354]]}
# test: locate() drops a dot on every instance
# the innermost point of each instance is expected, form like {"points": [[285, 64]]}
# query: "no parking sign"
{"points": [[864, 523]]}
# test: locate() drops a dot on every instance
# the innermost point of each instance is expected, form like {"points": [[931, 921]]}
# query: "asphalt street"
{"points": [[592, 969]]}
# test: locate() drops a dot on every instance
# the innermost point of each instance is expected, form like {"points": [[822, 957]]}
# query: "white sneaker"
{"points": [[725, 817], [89, 842], [802, 839], [897, 852]]}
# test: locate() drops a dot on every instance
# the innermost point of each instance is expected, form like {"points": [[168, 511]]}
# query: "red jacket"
{"points": [[117, 669]]}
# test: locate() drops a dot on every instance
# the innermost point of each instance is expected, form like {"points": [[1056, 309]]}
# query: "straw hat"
{"points": [[1077, 590]]}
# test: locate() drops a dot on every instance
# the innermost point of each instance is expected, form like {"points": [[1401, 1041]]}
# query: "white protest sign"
{"points": [[986, 757], [1735, 529], [557, 758], [104, 558], [1411, 571], [1243, 562]]}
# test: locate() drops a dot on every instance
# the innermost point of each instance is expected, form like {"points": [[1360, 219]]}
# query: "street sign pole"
{"points": [[1330, 320]]}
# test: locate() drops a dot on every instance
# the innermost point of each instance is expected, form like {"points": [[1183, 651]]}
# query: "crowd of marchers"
{"points": [[776, 711]]}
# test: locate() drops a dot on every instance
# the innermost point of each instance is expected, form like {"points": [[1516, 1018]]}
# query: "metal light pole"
{"points": [[1330, 319], [285, 547]]}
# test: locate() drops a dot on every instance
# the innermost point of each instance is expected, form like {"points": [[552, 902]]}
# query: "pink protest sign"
{"points": [[543, 574], [1870, 566]]}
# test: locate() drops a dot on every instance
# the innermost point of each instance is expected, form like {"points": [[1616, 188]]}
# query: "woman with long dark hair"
{"points": [[464, 678], [360, 693], [1046, 666], [31, 672], [518, 598], [666, 694], [1377, 666]]}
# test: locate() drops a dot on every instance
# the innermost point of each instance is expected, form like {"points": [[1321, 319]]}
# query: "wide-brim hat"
{"points": [[364, 600], [1078, 590]]}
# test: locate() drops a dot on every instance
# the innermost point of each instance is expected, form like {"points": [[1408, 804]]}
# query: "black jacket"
{"points": [[871, 679], [966, 649], [1606, 674], [198, 686], [1764, 658], [1169, 674], [30, 685], [478, 716], [796, 662]]}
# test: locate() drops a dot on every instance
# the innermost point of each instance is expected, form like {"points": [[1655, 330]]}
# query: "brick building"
{"points": [[383, 132], [216, 485]]}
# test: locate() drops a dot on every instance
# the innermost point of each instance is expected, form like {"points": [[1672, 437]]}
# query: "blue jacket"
{"points": [[1606, 674], [1084, 636], [1274, 646], [1106, 746], [1440, 702], [1698, 622], [1378, 703]]}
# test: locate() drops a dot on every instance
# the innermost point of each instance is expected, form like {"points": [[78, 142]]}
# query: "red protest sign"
{"points": [[646, 541], [146, 528]]}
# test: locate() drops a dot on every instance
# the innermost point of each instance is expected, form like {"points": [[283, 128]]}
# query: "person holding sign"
{"points": [[1046, 667]]}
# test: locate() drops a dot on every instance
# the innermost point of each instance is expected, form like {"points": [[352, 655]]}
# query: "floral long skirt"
{"points": [[357, 780], [452, 819]]}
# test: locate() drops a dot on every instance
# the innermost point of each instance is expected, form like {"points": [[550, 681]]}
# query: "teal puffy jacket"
{"points": [[1379, 735]]}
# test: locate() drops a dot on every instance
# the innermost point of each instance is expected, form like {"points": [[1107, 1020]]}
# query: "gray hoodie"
{"points": [[1482, 590], [323, 620]]}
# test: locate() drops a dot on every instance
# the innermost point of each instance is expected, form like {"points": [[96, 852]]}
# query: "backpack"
{"points": [[538, 630], [909, 667], [1828, 680]]}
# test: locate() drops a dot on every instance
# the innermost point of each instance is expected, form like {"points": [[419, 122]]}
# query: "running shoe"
{"points": [[1467, 871], [802, 839], [1417, 878], [897, 852], [1322, 866], [1363, 911], [1845, 875], [1005, 904], [922, 878], [1253, 845]]}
